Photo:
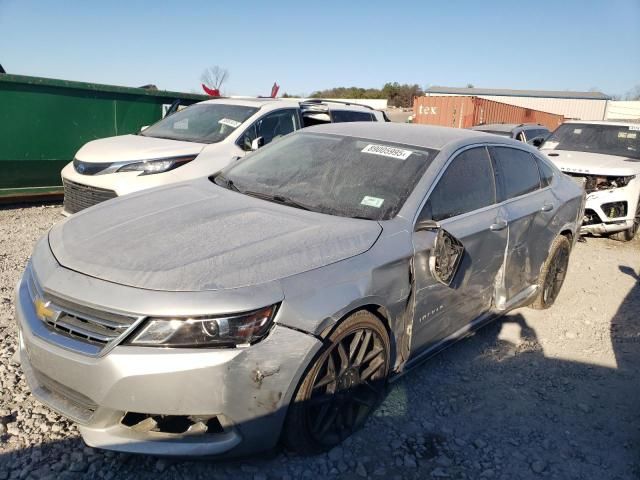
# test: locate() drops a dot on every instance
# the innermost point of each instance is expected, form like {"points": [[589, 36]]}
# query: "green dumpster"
{"points": [[43, 123]]}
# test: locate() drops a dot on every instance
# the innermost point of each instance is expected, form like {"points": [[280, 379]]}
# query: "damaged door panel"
{"points": [[463, 203], [530, 208]]}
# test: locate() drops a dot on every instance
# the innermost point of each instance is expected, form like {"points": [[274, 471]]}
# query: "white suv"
{"points": [[607, 156], [194, 142]]}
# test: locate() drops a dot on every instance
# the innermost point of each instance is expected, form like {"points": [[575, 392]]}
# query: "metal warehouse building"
{"points": [[573, 105]]}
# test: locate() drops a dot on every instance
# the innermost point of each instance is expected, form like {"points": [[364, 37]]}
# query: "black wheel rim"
{"points": [[555, 275], [347, 387]]}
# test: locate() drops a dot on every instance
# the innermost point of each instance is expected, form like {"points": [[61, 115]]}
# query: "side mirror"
{"points": [[445, 258], [537, 142], [257, 143], [427, 225]]}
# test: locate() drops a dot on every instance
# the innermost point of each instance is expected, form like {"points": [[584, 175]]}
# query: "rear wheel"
{"points": [[553, 273], [628, 234], [343, 386]]}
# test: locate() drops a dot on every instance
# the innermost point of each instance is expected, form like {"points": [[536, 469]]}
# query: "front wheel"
{"points": [[343, 386], [553, 273], [628, 234]]}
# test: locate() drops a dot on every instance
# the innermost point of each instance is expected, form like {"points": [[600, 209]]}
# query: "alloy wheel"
{"points": [[348, 386]]}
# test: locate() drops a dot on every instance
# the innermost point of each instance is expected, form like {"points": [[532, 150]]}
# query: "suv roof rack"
{"points": [[329, 100]]}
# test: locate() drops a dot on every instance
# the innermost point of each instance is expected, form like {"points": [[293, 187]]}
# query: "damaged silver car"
{"points": [[272, 301]]}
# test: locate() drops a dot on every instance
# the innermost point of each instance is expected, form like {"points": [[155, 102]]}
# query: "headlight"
{"points": [[232, 330], [149, 167]]}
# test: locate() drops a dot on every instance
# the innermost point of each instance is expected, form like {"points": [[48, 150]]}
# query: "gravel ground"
{"points": [[538, 394]]}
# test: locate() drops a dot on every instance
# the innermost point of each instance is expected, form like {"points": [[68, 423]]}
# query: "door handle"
{"points": [[553, 154], [547, 207], [499, 225]]}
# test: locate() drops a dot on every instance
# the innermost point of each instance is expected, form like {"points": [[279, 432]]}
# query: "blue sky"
{"points": [[306, 46]]}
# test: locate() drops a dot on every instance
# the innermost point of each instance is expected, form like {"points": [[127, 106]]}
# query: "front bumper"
{"points": [[248, 389], [605, 224]]}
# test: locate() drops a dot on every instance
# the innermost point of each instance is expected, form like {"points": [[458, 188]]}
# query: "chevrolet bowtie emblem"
{"points": [[45, 311]]}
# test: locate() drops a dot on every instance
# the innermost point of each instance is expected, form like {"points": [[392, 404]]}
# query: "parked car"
{"points": [[607, 156], [194, 142], [531, 133], [274, 299]]}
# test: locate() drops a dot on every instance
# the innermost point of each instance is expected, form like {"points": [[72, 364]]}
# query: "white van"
{"points": [[194, 142]]}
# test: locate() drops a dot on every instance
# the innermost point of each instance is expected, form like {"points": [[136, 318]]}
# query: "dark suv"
{"points": [[531, 133]]}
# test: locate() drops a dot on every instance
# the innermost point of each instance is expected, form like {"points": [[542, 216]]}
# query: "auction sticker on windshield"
{"points": [[385, 151], [229, 122], [372, 201]]}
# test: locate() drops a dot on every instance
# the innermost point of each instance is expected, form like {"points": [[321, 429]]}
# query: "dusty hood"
{"points": [[135, 147], [197, 236], [593, 163]]}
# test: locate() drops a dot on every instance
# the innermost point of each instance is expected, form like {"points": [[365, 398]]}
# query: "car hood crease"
{"points": [[196, 236]]}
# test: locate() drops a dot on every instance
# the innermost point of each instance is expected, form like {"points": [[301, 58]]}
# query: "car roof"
{"points": [[506, 127], [272, 103], [254, 102], [426, 136]]}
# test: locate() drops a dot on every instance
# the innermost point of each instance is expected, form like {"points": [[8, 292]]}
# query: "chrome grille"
{"points": [[98, 329], [78, 197]]}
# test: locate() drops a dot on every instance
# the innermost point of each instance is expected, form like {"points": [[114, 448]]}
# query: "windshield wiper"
{"points": [[277, 198], [228, 183]]}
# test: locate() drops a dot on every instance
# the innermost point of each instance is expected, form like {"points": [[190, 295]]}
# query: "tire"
{"points": [[628, 234], [553, 273], [334, 398]]}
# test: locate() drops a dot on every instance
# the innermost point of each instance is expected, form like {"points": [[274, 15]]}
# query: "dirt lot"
{"points": [[540, 394]]}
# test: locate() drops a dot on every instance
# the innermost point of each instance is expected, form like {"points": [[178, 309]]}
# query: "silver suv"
{"points": [[274, 299]]}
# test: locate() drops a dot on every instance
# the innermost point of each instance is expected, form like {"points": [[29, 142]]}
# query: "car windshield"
{"points": [[620, 140], [344, 176], [202, 123]]}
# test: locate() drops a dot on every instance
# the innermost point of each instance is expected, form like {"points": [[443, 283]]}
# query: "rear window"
{"points": [[341, 116], [620, 140]]}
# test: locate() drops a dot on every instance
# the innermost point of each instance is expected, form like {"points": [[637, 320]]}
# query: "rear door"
{"points": [[463, 201], [530, 206]]}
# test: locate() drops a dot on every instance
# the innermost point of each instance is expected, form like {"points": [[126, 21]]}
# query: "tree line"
{"points": [[397, 95]]}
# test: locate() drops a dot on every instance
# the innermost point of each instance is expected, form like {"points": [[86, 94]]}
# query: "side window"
{"points": [[341, 116], [517, 170], [270, 127], [468, 184], [546, 173], [277, 124]]}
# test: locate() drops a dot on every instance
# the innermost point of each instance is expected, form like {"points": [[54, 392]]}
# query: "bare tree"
{"points": [[214, 76], [633, 94]]}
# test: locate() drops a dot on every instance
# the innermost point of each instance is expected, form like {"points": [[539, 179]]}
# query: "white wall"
{"points": [[571, 108], [629, 110]]}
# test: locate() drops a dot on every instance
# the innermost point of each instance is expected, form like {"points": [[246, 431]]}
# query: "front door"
{"points": [[463, 202]]}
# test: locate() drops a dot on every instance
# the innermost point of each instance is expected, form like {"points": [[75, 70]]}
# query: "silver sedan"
{"points": [[272, 301]]}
